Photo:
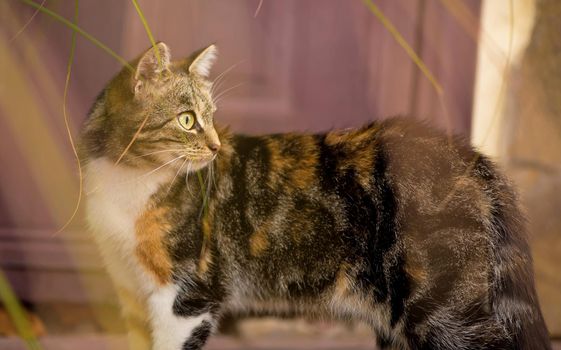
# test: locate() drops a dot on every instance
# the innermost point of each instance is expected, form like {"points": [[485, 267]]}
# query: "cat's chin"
{"points": [[199, 164]]}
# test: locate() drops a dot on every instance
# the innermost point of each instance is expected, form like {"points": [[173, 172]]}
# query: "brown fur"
{"points": [[151, 229]]}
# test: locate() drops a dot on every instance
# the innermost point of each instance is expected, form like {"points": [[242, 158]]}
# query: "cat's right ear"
{"points": [[152, 65], [201, 61]]}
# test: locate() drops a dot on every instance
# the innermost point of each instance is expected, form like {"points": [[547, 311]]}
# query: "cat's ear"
{"points": [[202, 60], [153, 64]]}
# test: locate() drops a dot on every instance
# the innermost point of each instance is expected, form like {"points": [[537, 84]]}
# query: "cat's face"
{"points": [[166, 107]]}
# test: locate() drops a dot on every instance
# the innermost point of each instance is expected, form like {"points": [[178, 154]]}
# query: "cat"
{"points": [[394, 224]]}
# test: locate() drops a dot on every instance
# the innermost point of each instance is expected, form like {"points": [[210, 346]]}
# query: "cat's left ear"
{"points": [[202, 60], [153, 64]]}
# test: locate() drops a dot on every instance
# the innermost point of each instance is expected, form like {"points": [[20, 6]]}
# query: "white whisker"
{"points": [[156, 152], [205, 191], [176, 174], [213, 177], [189, 165], [158, 168], [221, 76], [214, 171], [223, 93], [215, 89]]}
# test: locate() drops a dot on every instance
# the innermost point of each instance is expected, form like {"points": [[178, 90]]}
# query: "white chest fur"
{"points": [[116, 196]]}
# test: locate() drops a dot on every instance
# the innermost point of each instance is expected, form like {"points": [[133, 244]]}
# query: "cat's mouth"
{"points": [[201, 164], [179, 162], [185, 163]]}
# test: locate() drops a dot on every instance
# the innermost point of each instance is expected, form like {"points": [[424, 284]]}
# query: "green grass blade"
{"points": [[203, 192], [403, 43], [158, 57], [80, 31], [148, 31], [17, 314]]}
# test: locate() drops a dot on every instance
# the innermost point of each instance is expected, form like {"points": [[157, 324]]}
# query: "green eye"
{"points": [[186, 120]]}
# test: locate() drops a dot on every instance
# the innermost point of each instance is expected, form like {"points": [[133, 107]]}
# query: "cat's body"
{"points": [[393, 224]]}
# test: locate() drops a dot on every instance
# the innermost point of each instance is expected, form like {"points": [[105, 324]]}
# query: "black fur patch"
{"points": [[199, 337]]}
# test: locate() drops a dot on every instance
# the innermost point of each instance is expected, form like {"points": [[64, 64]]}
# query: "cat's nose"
{"points": [[214, 147]]}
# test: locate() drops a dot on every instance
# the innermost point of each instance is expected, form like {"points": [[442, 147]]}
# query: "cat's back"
{"points": [[421, 221]]}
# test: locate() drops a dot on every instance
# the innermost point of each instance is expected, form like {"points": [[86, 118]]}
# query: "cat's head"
{"points": [[165, 107]]}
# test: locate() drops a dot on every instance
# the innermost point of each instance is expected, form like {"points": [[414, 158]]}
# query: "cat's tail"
{"points": [[513, 294]]}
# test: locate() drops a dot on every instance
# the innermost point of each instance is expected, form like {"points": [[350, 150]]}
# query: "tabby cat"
{"points": [[393, 224]]}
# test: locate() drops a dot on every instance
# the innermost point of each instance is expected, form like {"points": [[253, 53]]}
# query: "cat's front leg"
{"points": [[136, 319], [177, 322]]}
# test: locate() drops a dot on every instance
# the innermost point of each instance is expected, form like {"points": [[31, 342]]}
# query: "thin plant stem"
{"points": [[203, 192], [148, 32], [258, 8], [27, 23], [496, 111], [404, 45], [67, 124], [134, 137], [158, 57], [80, 31]]}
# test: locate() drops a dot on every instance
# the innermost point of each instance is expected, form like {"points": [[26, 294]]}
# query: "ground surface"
{"points": [[70, 327], [222, 343]]}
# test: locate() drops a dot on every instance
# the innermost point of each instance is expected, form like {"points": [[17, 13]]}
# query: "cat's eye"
{"points": [[186, 120]]}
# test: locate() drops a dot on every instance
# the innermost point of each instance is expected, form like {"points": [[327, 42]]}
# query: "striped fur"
{"points": [[393, 224]]}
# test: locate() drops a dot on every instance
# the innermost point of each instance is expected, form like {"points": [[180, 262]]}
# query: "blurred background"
{"points": [[490, 70]]}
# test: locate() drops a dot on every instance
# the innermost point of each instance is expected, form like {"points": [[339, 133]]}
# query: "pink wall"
{"points": [[304, 65]]}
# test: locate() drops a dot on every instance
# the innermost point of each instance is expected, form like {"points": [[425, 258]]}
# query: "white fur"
{"points": [[116, 196], [172, 331]]}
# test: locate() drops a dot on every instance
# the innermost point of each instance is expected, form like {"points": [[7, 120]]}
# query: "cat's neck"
{"points": [[123, 185]]}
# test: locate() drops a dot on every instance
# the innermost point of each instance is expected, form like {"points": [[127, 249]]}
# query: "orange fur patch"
{"points": [[151, 228], [353, 137], [206, 256], [342, 283], [305, 172], [301, 172], [361, 153], [278, 162], [363, 162], [258, 242], [417, 273]]}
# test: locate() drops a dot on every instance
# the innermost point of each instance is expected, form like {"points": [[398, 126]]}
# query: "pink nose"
{"points": [[214, 147]]}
